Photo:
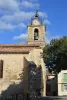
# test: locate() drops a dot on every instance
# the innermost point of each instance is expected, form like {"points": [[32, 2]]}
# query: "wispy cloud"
{"points": [[49, 37], [9, 5], [20, 16], [13, 17], [6, 26], [17, 17], [21, 25], [28, 4], [34, 0], [20, 37], [46, 21], [56, 37]]}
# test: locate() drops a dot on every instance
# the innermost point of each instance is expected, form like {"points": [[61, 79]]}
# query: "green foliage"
{"points": [[55, 54]]}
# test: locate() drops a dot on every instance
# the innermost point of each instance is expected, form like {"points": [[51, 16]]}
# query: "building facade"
{"points": [[62, 83], [15, 60]]}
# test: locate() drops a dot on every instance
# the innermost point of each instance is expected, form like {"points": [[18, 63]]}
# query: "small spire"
{"points": [[36, 15]]}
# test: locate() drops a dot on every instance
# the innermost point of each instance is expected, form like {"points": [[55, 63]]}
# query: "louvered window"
{"points": [[1, 68]]}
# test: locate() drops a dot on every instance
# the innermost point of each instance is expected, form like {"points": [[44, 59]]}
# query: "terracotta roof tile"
{"points": [[19, 45], [17, 48]]}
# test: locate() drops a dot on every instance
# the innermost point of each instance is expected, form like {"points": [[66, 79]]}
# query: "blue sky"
{"points": [[15, 16]]}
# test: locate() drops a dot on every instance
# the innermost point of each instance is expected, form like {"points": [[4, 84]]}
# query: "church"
{"points": [[16, 59]]}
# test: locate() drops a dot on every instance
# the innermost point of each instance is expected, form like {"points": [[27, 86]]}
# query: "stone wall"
{"points": [[35, 56], [25, 75], [15, 66], [12, 68], [42, 31]]}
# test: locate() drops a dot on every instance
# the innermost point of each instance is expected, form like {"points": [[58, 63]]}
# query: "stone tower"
{"points": [[36, 31]]}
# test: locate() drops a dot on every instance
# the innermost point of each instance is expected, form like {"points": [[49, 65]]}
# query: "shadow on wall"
{"points": [[14, 91], [20, 91], [52, 86]]}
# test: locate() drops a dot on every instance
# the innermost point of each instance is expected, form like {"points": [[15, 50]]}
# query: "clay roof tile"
{"points": [[17, 48]]}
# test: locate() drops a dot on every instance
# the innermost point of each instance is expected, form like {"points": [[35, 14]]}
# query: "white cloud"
{"points": [[46, 21], [5, 26], [11, 15], [21, 16], [17, 17], [34, 0], [20, 37], [31, 0], [21, 25], [49, 37], [9, 5], [56, 37], [28, 4], [43, 14], [17, 20]]}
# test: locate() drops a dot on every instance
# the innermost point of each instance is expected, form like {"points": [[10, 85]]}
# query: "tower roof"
{"points": [[36, 16]]}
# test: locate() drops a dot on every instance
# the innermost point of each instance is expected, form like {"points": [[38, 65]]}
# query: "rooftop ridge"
{"points": [[17, 45], [17, 48]]}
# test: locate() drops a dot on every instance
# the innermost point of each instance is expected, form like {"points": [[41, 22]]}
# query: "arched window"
{"points": [[36, 34]]}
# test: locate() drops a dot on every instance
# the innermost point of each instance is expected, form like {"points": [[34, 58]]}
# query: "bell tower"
{"points": [[36, 31]]}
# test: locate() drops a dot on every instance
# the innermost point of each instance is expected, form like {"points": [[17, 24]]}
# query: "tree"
{"points": [[55, 54]]}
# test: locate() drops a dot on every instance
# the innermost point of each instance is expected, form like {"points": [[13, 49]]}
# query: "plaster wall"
{"points": [[35, 56], [15, 65], [61, 91], [12, 68]]}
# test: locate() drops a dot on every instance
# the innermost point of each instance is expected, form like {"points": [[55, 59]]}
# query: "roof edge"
{"points": [[19, 45]]}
